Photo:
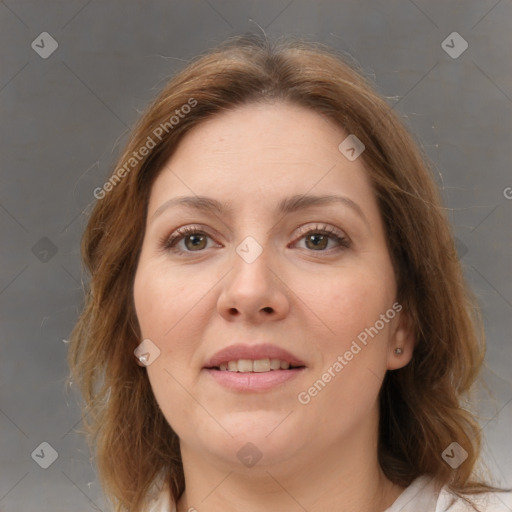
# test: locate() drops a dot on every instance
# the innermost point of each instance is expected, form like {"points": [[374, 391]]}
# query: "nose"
{"points": [[254, 292]]}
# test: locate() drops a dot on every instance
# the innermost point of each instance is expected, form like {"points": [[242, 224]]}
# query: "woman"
{"points": [[277, 318]]}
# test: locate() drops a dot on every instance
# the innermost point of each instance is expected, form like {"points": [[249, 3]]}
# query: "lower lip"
{"points": [[253, 381]]}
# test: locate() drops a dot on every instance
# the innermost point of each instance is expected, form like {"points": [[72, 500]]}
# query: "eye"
{"points": [[319, 238], [323, 238], [187, 239]]}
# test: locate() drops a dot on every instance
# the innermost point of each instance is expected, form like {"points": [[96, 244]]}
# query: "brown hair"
{"points": [[420, 404]]}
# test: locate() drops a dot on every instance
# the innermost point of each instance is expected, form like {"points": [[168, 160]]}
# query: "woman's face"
{"points": [[264, 243]]}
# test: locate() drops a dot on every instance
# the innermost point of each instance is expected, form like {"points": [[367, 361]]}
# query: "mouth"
{"points": [[251, 368], [257, 358], [255, 365]]}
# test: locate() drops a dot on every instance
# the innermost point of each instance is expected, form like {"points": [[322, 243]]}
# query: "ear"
{"points": [[401, 336]]}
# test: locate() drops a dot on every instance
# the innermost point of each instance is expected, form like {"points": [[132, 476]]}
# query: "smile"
{"points": [[257, 365], [253, 367]]}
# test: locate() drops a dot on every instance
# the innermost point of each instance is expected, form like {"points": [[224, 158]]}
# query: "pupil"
{"points": [[318, 241], [196, 241]]}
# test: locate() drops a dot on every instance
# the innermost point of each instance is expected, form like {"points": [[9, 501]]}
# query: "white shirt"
{"points": [[420, 496]]}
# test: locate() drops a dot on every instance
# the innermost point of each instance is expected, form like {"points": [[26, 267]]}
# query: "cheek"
{"points": [[161, 309], [172, 313], [350, 373], [348, 301], [159, 301]]}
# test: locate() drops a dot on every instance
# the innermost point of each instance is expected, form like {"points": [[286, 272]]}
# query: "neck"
{"points": [[344, 477]]}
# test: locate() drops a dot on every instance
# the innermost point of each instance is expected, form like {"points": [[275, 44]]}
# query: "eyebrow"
{"points": [[288, 205]]}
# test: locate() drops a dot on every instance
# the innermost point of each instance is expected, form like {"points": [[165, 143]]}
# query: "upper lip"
{"points": [[254, 352]]}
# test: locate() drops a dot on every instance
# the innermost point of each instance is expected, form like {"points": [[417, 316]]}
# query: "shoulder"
{"points": [[158, 498], [427, 495], [486, 502], [161, 503], [422, 494]]}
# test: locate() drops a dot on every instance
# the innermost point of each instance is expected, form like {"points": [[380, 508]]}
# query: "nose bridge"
{"points": [[251, 267], [252, 289]]}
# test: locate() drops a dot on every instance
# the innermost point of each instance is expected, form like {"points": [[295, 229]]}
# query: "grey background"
{"points": [[65, 117]]}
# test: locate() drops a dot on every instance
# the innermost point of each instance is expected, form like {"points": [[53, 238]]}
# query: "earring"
{"points": [[398, 351]]}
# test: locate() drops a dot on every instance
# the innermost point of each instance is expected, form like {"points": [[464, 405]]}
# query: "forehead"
{"points": [[260, 153], [263, 130]]}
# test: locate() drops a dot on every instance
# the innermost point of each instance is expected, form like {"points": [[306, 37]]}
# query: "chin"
{"points": [[261, 438]]}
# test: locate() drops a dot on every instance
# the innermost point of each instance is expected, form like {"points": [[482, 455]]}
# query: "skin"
{"points": [[312, 302]]}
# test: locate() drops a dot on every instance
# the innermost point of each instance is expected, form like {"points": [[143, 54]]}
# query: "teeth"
{"points": [[244, 365], [258, 365], [275, 364]]}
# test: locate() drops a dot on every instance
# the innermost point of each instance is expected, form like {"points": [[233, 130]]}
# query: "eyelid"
{"points": [[170, 242], [319, 227]]}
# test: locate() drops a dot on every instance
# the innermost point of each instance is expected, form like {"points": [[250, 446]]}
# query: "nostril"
{"points": [[268, 309]]}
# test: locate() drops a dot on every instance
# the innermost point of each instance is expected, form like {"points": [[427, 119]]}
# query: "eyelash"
{"points": [[169, 243]]}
